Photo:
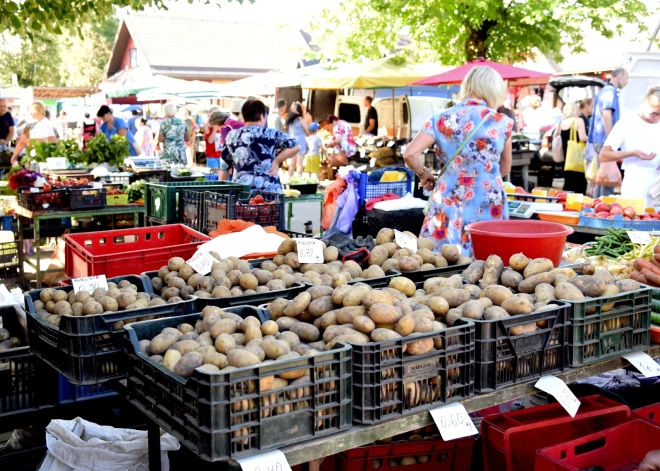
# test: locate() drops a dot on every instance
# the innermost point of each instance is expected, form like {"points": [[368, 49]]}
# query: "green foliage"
{"points": [[39, 152], [136, 191], [453, 31], [31, 59], [113, 152], [71, 150]]}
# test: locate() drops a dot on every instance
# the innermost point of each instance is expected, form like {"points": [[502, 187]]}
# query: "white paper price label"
{"points": [[453, 421], [310, 250], [97, 185], [372, 162], [644, 363], [637, 237], [390, 144], [34, 190], [557, 388], [89, 283], [405, 241], [268, 461], [202, 262]]}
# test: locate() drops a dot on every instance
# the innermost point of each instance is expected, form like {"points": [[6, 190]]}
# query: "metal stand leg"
{"points": [[37, 250], [525, 175], [153, 431], [321, 220]]}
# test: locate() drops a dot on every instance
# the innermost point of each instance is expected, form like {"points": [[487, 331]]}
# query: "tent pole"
{"points": [[393, 116]]}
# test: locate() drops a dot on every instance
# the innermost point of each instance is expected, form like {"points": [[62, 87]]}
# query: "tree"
{"points": [[453, 31], [28, 17], [34, 61]]}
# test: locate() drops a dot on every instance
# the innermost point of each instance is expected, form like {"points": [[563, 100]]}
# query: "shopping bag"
{"points": [[591, 168], [574, 152], [557, 149], [608, 175]]}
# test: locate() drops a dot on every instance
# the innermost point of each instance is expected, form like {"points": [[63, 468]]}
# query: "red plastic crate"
{"points": [[455, 455], [620, 448], [128, 251], [649, 413], [510, 440]]}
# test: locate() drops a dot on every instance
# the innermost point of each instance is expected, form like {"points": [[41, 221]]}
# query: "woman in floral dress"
{"points": [[342, 140], [173, 133], [471, 188]]}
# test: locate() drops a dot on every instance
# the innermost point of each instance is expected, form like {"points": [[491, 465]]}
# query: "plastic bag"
{"points": [[591, 170], [574, 152], [557, 149], [608, 175], [332, 192]]}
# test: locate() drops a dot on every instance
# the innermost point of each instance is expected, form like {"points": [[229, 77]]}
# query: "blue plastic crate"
{"points": [[71, 393], [370, 189], [7, 223], [618, 223], [212, 177]]}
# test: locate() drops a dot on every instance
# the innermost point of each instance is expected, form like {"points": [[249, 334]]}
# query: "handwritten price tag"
{"points": [[644, 363], [453, 422], [557, 388], [637, 237], [268, 461], [89, 283], [202, 262], [372, 162], [310, 250], [390, 144], [405, 241]]}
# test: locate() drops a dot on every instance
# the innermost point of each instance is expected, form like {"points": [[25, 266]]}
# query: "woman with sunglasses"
{"points": [[634, 139]]}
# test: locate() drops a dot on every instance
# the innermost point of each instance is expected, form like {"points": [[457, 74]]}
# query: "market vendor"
{"points": [[473, 143], [256, 151], [634, 139], [113, 125], [371, 121], [342, 141]]}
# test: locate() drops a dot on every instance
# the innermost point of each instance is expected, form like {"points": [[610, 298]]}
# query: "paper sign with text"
{"points": [[267, 461], [89, 283], [557, 388], [637, 237], [372, 162], [202, 262], [405, 241], [644, 363], [390, 144], [310, 250], [453, 421]]}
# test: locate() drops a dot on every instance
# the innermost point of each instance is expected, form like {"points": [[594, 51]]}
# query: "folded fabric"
{"points": [[240, 244], [386, 197], [359, 257], [407, 202]]}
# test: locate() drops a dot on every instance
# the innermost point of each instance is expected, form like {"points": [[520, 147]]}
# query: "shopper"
{"points": [[228, 125], [43, 130], [371, 121], [297, 128], [145, 137], [312, 164], [573, 181], [586, 111], [89, 129], [276, 117], [473, 141], [213, 154], [342, 141], [605, 116], [113, 125], [174, 135], [132, 121], [7, 127], [635, 140], [256, 151]]}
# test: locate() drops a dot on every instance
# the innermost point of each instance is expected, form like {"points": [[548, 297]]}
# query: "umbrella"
{"points": [[455, 76], [128, 108]]}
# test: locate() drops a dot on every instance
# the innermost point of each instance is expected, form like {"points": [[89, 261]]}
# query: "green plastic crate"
{"points": [[162, 199], [602, 334]]}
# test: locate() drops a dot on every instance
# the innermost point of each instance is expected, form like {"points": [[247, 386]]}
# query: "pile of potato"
{"points": [[124, 296], [429, 433], [6, 340]]}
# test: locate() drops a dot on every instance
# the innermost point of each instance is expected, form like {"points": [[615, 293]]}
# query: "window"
{"points": [[132, 54], [349, 112]]}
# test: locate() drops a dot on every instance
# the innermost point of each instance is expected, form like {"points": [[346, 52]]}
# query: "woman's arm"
{"points": [[281, 157], [610, 155], [303, 123], [422, 141], [505, 159], [161, 137], [186, 136], [211, 138], [122, 132], [581, 130]]}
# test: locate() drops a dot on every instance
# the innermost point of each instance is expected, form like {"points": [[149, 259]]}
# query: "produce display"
{"points": [[648, 271], [7, 341], [603, 210], [136, 191]]}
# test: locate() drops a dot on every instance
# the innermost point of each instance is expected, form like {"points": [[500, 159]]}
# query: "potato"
{"points": [[185, 346], [373, 271], [495, 312], [297, 305], [382, 313], [450, 252], [364, 324], [46, 295], [92, 308], [225, 343], [463, 260], [306, 332], [627, 285], [408, 264], [171, 358], [284, 323], [568, 272], [347, 315], [438, 305], [518, 304], [377, 297], [403, 285], [241, 358], [544, 293], [162, 343], [289, 337], [589, 285], [239, 338], [276, 308], [405, 326], [610, 290], [125, 299], [497, 294], [455, 297], [523, 329], [493, 269], [355, 295], [518, 262], [338, 280], [275, 348], [420, 347], [423, 325], [529, 284], [269, 328], [379, 335], [536, 266], [511, 278], [474, 272], [473, 310], [320, 306], [384, 236]]}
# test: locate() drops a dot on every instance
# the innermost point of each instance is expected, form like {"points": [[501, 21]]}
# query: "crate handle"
{"points": [[590, 446]]}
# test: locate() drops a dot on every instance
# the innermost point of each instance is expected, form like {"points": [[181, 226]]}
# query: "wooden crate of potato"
{"points": [[202, 376], [77, 334]]}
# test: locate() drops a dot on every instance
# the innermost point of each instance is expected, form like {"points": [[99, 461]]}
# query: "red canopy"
{"points": [[508, 72]]}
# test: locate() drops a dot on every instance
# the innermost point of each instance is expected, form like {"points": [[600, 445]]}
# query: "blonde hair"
{"points": [[39, 108], [169, 110], [571, 110], [654, 92], [485, 83]]}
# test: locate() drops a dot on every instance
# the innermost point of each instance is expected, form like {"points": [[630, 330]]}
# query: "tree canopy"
{"points": [[453, 31]]}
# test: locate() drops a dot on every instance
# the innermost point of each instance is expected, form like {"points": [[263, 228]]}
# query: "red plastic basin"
{"points": [[536, 239]]}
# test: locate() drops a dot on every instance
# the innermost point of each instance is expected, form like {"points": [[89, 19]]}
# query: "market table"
{"points": [[521, 159], [358, 435], [315, 198], [37, 216]]}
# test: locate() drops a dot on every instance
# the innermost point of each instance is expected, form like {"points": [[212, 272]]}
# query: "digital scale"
{"points": [[144, 163], [526, 209]]}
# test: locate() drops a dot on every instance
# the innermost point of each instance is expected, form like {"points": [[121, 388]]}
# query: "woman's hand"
{"points": [[643, 155], [274, 169], [427, 180]]}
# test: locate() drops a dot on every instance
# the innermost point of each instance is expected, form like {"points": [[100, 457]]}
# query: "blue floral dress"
{"points": [[471, 189], [174, 145], [253, 149]]}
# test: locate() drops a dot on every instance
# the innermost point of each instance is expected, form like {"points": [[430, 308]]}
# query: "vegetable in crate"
{"points": [[7, 342], [615, 243], [136, 191]]}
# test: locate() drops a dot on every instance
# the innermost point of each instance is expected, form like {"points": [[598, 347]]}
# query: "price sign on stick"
{"points": [[405, 241], [453, 421], [637, 237], [644, 363], [268, 461], [557, 388], [202, 262], [310, 250], [89, 283]]}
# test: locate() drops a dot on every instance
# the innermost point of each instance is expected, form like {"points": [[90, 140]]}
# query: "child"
{"points": [[314, 151]]}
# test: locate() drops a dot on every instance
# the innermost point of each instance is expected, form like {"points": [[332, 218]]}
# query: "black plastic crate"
{"points": [[26, 383], [503, 359], [370, 222], [85, 349], [87, 197], [53, 199], [236, 207], [226, 415], [11, 263], [609, 326], [149, 222], [383, 374], [443, 272], [191, 209]]}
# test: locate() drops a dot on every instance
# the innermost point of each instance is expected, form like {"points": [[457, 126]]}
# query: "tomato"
{"points": [[83, 181], [258, 199]]}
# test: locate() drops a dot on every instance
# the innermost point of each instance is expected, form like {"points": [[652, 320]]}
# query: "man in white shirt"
{"points": [[276, 117]]}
